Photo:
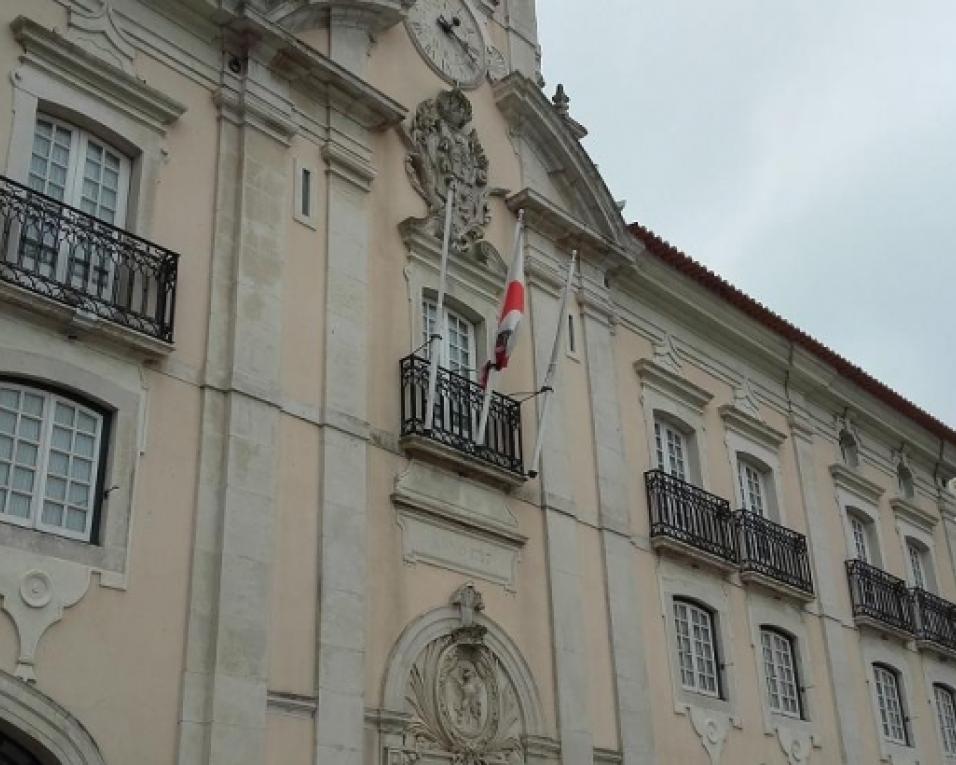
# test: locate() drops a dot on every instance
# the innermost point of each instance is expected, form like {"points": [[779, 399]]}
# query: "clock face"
{"points": [[448, 35]]}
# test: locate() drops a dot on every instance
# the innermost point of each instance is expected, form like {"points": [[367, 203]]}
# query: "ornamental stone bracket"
{"points": [[442, 149], [797, 745], [35, 591], [712, 728]]}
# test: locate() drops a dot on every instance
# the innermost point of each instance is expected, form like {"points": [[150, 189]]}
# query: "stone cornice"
{"points": [[853, 482], [314, 72], [49, 51], [373, 15], [739, 421], [672, 385], [242, 107], [913, 513], [544, 216], [348, 165]]}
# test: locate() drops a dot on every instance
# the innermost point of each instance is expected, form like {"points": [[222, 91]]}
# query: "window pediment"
{"points": [[750, 427], [67, 61], [672, 385], [856, 484]]}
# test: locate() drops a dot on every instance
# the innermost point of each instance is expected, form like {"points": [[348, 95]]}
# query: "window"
{"points": [[783, 690], [890, 704], [753, 486], [671, 448], [303, 199], [915, 554], [946, 714], [860, 541], [458, 343], [306, 200], [49, 460], [572, 340], [76, 168], [696, 649]]}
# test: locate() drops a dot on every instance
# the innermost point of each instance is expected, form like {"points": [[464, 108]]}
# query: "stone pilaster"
{"points": [[224, 685], [625, 610], [828, 577], [561, 530], [342, 587]]}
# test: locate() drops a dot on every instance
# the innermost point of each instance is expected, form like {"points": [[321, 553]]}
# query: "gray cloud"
{"points": [[805, 151]]}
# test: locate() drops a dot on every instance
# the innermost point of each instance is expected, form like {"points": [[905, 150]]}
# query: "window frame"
{"points": [[101, 447], [695, 606], [427, 303], [879, 669], [667, 426], [947, 732], [765, 484], [775, 633]]}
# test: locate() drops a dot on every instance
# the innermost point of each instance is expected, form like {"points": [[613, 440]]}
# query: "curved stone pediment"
{"points": [[570, 174]]}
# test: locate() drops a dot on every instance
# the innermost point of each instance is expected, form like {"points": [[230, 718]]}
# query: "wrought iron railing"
{"points": [[935, 618], [687, 514], [74, 258], [774, 551], [880, 596], [457, 410]]}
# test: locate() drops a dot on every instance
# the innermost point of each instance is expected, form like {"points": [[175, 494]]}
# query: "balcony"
{"points": [[774, 556], [935, 622], [455, 422], [880, 600], [69, 264], [691, 522]]}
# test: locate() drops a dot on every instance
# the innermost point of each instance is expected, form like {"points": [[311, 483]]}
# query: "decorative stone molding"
{"points": [[797, 745], [745, 399], [457, 524], [671, 385], [373, 15], [244, 108], [712, 729], [35, 591], [102, 35], [665, 354], [291, 703], [497, 66], [750, 427], [43, 720], [911, 512], [442, 149], [90, 73], [846, 479]]}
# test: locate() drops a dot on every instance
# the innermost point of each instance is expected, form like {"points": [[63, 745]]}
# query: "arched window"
{"points": [[862, 533], [458, 351], [51, 450], [697, 648], [946, 715], [780, 671], [889, 701], [920, 564]]}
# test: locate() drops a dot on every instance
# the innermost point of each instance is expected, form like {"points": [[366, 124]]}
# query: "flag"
{"points": [[512, 311]]}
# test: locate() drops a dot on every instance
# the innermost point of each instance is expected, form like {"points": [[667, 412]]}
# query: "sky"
{"points": [[805, 150]]}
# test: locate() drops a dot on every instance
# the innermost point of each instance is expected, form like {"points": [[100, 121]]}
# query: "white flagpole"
{"points": [[547, 387], [492, 372], [438, 331]]}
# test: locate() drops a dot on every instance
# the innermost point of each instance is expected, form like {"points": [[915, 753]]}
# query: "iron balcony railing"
{"points": [[458, 403], [935, 618], [687, 514], [879, 596], [774, 551], [72, 257]]}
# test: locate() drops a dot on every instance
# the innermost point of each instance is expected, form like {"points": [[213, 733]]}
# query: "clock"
{"points": [[449, 37]]}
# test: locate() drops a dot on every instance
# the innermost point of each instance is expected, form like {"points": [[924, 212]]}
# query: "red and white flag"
{"points": [[512, 311]]}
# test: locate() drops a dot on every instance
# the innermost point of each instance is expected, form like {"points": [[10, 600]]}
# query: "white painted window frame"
{"points": [[695, 614], [946, 728], [893, 654], [855, 506], [922, 537], [742, 448], [890, 704]]}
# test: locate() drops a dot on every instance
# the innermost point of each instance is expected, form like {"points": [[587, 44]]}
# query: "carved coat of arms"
{"points": [[442, 148]]}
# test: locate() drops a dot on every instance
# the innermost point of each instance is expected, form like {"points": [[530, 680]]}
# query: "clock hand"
{"points": [[469, 48]]}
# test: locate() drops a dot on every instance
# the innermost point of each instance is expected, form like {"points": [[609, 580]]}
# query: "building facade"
{"points": [[226, 535]]}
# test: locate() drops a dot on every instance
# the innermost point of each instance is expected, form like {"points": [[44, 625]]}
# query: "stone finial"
{"points": [[561, 101]]}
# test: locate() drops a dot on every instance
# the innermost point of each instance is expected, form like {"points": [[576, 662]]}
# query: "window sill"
{"points": [[50, 545], [79, 324]]}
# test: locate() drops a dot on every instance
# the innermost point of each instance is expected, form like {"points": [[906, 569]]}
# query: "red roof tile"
{"points": [[726, 291]]}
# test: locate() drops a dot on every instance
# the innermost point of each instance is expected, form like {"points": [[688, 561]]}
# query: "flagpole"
{"points": [[492, 370], [438, 332], [547, 387]]}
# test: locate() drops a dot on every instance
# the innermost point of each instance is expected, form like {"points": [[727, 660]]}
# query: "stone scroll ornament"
{"points": [[464, 708], [441, 147]]}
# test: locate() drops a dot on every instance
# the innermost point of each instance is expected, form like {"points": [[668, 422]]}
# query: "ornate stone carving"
{"points": [[441, 148], [745, 399], [464, 707], [102, 35], [796, 746], [665, 353], [497, 66], [712, 729]]}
